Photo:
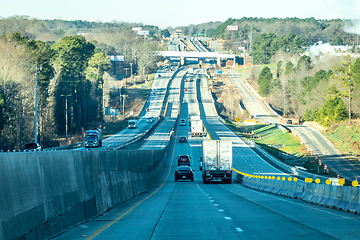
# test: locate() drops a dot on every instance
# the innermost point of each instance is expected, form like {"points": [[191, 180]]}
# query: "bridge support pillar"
{"points": [[182, 60], [218, 62]]}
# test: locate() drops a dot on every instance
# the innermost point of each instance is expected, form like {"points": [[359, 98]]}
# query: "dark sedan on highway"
{"points": [[184, 172]]}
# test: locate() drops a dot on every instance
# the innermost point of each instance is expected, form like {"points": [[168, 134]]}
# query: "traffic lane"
{"points": [[252, 104], [310, 139], [125, 220], [247, 161], [217, 130], [142, 220], [142, 126], [206, 105], [329, 155], [244, 158], [256, 219], [140, 212], [246, 95], [161, 136], [323, 143], [126, 134], [274, 217], [191, 214], [131, 229]]}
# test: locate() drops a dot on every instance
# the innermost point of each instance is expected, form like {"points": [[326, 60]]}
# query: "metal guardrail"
{"points": [[66, 147]]}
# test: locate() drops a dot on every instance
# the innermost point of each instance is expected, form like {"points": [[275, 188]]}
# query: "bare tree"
{"points": [[17, 85]]}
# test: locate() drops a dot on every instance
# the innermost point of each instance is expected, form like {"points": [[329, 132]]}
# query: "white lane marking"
{"points": [[212, 200], [221, 210], [299, 204], [239, 229], [216, 205], [227, 218]]}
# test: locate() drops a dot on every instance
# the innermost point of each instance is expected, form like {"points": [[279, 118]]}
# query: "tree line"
{"points": [[72, 76], [312, 89], [53, 30]]}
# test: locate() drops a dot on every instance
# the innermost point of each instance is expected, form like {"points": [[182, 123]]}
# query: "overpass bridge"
{"points": [[205, 56]]}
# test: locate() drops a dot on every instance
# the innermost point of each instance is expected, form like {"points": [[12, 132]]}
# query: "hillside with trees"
{"points": [[325, 89], [310, 29], [72, 71]]}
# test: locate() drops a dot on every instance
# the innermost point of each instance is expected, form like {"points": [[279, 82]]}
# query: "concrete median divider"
{"points": [[338, 198], [355, 208], [45, 193], [318, 193], [343, 198], [329, 198], [350, 200]]}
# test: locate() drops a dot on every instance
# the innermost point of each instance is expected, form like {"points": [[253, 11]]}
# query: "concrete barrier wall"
{"points": [[343, 198], [44, 193]]}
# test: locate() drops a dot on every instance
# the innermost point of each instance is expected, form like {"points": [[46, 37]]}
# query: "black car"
{"points": [[182, 122], [182, 139], [184, 172], [32, 147]]}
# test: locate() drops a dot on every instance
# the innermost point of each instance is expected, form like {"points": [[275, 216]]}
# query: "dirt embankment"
{"points": [[315, 125]]}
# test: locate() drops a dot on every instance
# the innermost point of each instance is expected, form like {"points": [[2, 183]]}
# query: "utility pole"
{"points": [[126, 69], [131, 75], [238, 50], [123, 101], [66, 114], [36, 102], [349, 97], [250, 40], [20, 117]]}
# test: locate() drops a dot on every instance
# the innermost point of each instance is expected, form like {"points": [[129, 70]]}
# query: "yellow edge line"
{"points": [[100, 230]]}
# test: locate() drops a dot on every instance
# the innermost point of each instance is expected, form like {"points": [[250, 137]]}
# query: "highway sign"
{"points": [[249, 122], [232, 28], [116, 58], [143, 32]]}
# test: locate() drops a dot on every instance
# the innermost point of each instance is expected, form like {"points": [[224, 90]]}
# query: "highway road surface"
{"points": [[193, 210]]}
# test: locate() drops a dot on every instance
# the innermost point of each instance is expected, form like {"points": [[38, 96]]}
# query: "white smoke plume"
{"points": [[321, 48], [352, 26]]}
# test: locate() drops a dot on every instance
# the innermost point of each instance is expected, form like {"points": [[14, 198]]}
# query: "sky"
{"points": [[172, 13]]}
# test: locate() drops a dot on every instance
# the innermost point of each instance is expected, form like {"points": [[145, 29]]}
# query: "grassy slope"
{"points": [[346, 139], [271, 135], [275, 142]]}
